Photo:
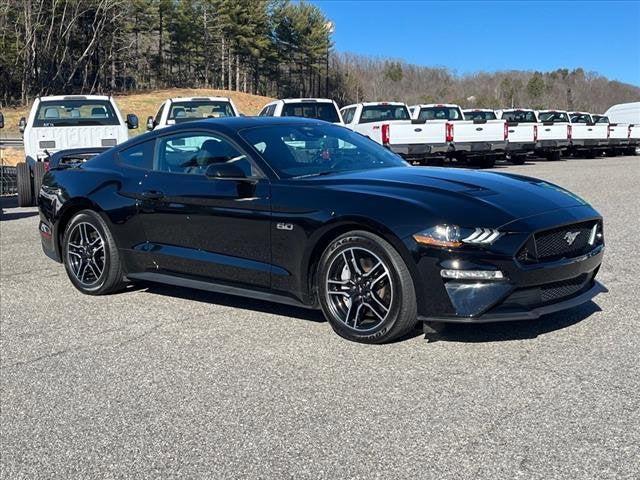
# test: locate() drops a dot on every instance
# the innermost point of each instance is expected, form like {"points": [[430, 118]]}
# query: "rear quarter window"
{"points": [[138, 156]]}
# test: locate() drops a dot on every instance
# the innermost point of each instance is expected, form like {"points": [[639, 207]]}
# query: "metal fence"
{"points": [[8, 184]]}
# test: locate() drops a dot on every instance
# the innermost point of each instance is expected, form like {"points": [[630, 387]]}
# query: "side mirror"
{"points": [[224, 170], [132, 121], [1, 120], [150, 123], [22, 124]]}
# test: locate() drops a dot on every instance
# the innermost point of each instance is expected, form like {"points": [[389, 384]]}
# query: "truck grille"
{"points": [[568, 241]]}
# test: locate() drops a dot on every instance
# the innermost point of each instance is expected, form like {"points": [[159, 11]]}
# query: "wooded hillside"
{"points": [[273, 48]]}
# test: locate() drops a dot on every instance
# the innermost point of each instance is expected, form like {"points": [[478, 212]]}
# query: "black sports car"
{"points": [[312, 214]]}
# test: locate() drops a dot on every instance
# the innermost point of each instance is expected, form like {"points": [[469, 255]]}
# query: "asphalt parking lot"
{"points": [[160, 382]]}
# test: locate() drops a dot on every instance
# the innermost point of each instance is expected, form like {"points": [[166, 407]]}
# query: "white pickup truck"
{"points": [[628, 113], [554, 135], [390, 124], [587, 138], [186, 109], [320, 108], [523, 132], [618, 134], [66, 122], [478, 141]]}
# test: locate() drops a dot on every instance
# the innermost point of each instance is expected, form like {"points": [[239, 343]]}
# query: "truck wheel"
{"points": [[436, 162], [554, 156], [487, 162], [23, 182], [39, 171], [590, 154], [518, 159]]}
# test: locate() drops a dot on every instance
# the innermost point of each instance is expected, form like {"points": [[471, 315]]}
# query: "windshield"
{"points": [[75, 113], [520, 116], [600, 119], [383, 113], [554, 117], [198, 109], [320, 110], [479, 115], [307, 150], [440, 113], [580, 118]]}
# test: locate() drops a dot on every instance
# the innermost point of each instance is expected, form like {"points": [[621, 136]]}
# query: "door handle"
{"points": [[152, 195]]}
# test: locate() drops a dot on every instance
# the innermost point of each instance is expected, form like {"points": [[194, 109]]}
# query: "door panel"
{"points": [[210, 227]]}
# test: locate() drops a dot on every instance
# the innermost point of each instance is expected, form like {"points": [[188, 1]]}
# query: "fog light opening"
{"points": [[472, 274]]}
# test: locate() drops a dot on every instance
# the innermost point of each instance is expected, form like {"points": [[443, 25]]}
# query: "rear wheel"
{"points": [[518, 159], [90, 255], [23, 183], [554, 155], [365, 289], [38, 174]]}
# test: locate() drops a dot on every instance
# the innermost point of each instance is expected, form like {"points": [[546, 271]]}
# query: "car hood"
{"points": [[490, 197]]}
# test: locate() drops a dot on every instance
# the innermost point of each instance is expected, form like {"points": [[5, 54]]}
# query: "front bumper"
{"points": [[480, 148], [528, 290], [419, 150]]}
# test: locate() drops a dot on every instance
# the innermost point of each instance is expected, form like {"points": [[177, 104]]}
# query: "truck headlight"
{"points": [[453, 236]]}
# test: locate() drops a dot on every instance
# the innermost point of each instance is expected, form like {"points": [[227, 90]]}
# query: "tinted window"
{"points": [[197, 110], [304, 150], [263, 112], [383, 113], [347, 114], [600, 119], [555, 117], [440, 113], [192, 153], [321, 111], [580, 118], [74, 113], [479, 115], [138, 156], [520, 116], [156, 120]]}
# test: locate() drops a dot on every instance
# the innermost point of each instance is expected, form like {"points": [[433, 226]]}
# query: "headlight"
{"points": [[453, 236]]}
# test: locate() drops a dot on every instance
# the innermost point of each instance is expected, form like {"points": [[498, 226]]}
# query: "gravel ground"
{"points": [[163, 382]]}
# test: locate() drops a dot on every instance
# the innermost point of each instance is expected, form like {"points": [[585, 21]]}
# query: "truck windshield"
{"points": [[320, 110], [440, 113], [300, 150], [198, 109], [600, 119], [554, 117], [75, 113], [383, 113], [580, 118], [520, 116], [479, 115]]}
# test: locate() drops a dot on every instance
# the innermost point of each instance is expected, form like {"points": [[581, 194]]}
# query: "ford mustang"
{"points": [[312, 214]]}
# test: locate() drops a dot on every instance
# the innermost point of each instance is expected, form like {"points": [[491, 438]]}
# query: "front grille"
{"points": [[568, 241], [531, 297]]}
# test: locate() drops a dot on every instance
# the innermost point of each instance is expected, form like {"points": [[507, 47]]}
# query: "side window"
{"points": [[193, 153], [347, 114], [138, 156], [263, 112], [156, 120], [271, 110]]}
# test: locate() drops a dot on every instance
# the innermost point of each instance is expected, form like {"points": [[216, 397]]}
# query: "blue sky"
{"points": [[601, 36]]}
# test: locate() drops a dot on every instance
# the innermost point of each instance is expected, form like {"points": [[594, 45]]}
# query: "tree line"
{"points": [[270, 47], [275, 48]]}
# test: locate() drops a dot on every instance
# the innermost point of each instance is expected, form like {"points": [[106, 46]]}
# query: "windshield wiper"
{"points": [[317, 174]]}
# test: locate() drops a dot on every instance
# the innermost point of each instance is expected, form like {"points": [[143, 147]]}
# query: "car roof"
{"points": [[235, 124], [54, 98], [195, 99], [431, 105]]}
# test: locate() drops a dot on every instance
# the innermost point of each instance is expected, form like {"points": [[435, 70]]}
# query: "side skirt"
{"points": [[180, 281]]}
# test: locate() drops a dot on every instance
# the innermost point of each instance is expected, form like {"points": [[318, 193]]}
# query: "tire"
{"points": [[38, 174], [554, 156], [346, 271], [589, 154], [435, 162], [518, 159], [487, 162], [23, 182], [91, 280]]}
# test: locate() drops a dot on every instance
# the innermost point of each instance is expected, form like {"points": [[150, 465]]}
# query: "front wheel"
{"points": [[365, 288], [90, 255]]}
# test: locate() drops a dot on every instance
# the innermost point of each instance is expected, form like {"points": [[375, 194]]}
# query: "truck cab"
{"points": [[523, 127], [318, 108], [186, 109], [554, 134], [64, 122]]}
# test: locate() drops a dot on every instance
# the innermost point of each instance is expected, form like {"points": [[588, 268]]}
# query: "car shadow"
{"points": [[517, 330], [16, 215]]}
